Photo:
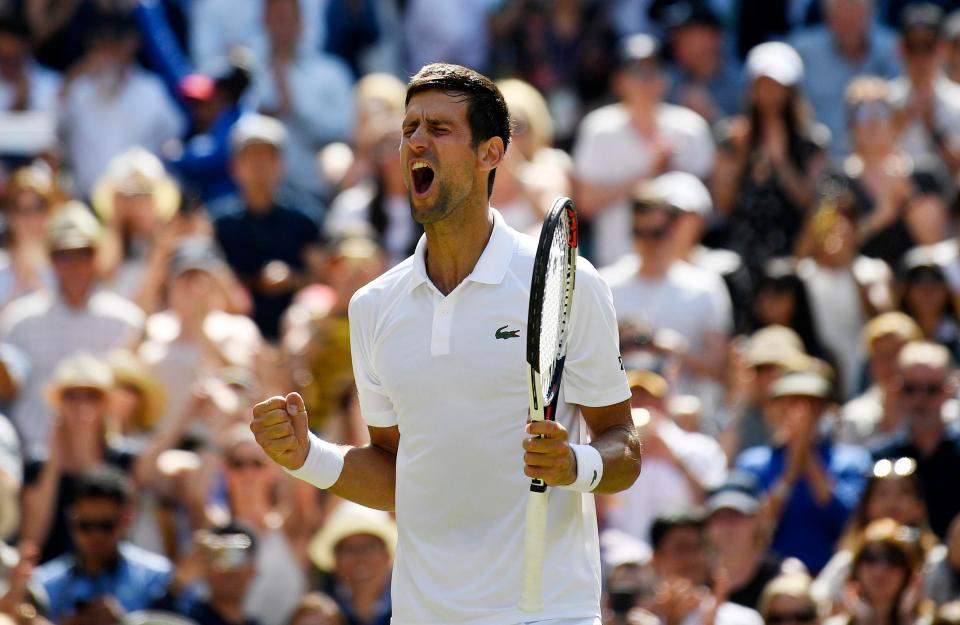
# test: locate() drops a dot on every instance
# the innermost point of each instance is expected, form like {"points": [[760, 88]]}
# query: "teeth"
{"points": [[417, 166]]}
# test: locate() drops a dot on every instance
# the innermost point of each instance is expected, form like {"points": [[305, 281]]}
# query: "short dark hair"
{"points": [[487, 111], [103, 482], [666, 523]]}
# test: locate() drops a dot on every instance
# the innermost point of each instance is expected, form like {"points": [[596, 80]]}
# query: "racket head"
{"points": [[551, 296]]}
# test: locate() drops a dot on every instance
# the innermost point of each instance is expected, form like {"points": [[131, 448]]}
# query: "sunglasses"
{"points": [[894, 467], [82, 395], [780, 618], [922, 46], [885, 557], [872, 111], [241, 463], [930, 390], [654, 234], [105, 526], [77, 255]]}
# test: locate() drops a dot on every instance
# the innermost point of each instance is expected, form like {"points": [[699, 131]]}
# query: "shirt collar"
{"points": [[493, 262]]}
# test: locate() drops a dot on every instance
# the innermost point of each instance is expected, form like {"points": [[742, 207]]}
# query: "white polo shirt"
{"points": [[433, 366]]}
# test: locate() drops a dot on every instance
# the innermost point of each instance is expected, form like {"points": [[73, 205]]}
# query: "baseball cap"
{"points": [[637, 48], [195, 253], [683, 191], [675, 15], [73, 227], [777, 61], [254, 128], [801, 384], [81, 370], [738, 492], [921, 16]]}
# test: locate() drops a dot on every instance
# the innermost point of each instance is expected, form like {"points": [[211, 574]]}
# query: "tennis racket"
{"points": [[548, 321]]}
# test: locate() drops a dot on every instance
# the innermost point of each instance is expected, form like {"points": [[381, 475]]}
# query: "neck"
{"points": [[252, 508], [259, 202], [283, 51], [365, 597], [852, 49], [74, 300], [740, 564], [231, 611], [874, 155], [928, 320], [454, 245], [91, 566], [643, 116], [926, 439], [655, 266]]}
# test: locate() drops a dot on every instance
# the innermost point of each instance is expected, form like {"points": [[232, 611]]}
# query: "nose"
{"points": [[418, 139]]}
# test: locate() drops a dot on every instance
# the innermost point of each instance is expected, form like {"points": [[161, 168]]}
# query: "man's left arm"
{"points": [[552, 457]]}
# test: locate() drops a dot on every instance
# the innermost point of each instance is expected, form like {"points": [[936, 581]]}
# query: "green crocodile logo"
{"points": [[503, 333]]}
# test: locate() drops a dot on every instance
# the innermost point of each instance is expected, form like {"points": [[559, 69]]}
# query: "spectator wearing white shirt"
{"points": [[25, 85], [310, 92], [48, 326], [112, 104], [683, 311], [218, 26], [635, 139], [928, 101]]}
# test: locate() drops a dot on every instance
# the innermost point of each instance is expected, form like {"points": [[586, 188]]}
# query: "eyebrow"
{"points": [[431, 121]]}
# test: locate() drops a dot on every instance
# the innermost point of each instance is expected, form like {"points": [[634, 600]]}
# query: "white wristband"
{"points": [[589, 469], [323, 465]]}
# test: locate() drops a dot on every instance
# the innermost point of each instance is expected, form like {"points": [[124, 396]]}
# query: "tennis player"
{"points": [[438, 346]]}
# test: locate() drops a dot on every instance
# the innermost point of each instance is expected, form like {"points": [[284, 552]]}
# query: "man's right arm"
{"points": [[365, 475]]}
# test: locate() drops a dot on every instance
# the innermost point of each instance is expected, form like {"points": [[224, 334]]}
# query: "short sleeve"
{"points": [[375, 406], [593, 374]]}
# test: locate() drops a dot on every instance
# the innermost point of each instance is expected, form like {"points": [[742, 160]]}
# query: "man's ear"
{"points": [[490, 153]]}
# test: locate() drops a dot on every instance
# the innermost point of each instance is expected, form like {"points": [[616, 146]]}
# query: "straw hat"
{"points": [[350, 519], [71, 227], [136, 172], [128, 369], [81, 370]]}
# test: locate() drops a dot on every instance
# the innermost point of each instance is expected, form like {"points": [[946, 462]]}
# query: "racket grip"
{"points": [[534, 550]]}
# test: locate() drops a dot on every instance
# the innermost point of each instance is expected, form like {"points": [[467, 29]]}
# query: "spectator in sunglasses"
{"points": [[924, 295], [104, 577], [682, 312], [787, 600], [884, 585], [925, 383], [871, 418], [893, 491], [928, 100]]}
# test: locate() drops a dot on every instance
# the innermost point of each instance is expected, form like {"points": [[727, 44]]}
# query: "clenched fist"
{"points": [[280, 426], [547, 454]]}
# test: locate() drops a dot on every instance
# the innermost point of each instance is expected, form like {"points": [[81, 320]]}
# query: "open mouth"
{"points": [[422, 177]]}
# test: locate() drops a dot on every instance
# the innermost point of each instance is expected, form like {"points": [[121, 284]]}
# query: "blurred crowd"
{"points": [[192, 190]]}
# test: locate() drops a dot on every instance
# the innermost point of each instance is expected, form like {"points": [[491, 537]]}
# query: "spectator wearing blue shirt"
{"points": [[104, 577], [848, 44], [809, 485], [214, 101], [270, 241]]}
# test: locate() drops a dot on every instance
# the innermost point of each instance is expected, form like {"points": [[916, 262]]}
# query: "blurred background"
{"points": [[192, 190]]}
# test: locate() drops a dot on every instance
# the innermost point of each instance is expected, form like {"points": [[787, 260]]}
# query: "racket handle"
{"points": [[534, 550]]}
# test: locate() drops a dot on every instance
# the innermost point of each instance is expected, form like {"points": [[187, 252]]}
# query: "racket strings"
{"points": [[555, 310]]}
